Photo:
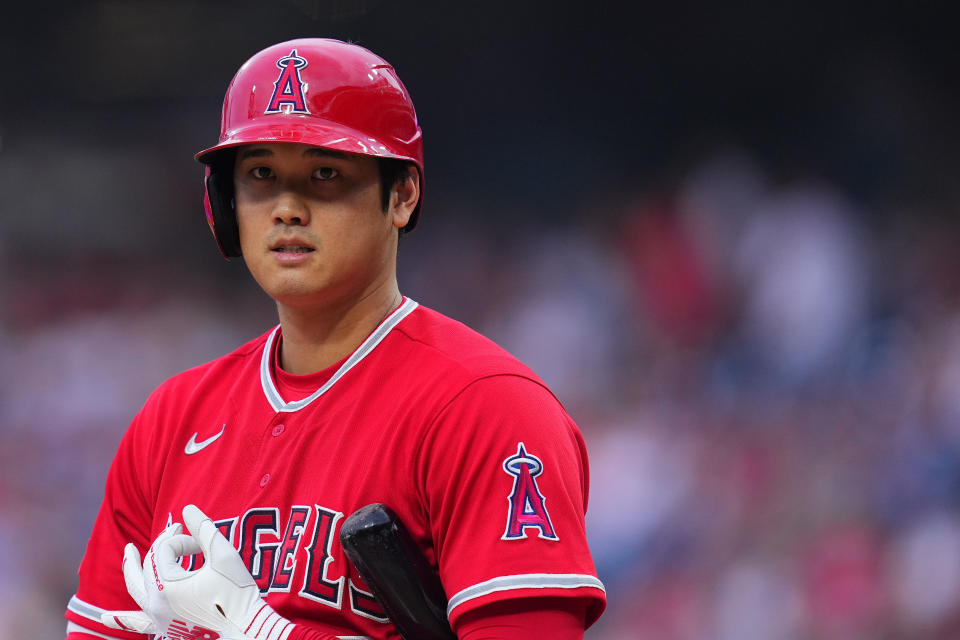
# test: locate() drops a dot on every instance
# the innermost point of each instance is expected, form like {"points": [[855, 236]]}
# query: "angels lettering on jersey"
{"points": [[272, 548]]}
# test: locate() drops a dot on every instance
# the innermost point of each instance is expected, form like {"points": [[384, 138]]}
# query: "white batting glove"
{"points": [[143, 585], [221, 597]]}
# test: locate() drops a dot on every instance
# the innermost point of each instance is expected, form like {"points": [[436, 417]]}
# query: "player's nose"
{"points": [[290, 209]]}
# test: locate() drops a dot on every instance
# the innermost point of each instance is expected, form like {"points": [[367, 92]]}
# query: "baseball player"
{"points": [[359, 395]]}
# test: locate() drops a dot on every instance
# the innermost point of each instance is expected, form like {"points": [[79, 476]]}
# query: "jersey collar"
{"points": [[368, 345]]}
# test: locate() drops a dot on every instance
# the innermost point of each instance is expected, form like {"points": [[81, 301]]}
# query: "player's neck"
{"points": [[315, 339]]}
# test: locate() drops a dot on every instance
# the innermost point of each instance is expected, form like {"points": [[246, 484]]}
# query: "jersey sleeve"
{"points": [[504, 475], [523, 618], [125, 515]]}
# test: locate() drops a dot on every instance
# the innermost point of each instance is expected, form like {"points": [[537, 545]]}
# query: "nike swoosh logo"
{"points": [[193, 446]]}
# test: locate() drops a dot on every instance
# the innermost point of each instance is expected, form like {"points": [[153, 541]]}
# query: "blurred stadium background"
{"points": [[727, 237]]}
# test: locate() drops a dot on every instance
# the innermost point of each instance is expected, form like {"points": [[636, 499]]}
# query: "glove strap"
{"points": [[267, 624]]}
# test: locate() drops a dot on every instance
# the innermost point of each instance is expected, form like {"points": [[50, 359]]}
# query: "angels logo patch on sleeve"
{"points": [[528, 507]]}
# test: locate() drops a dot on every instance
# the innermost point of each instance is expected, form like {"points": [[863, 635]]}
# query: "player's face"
{"points": [[312, 226]]}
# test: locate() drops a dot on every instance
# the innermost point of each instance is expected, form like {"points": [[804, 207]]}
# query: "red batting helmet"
{"points": [[324, 93]]}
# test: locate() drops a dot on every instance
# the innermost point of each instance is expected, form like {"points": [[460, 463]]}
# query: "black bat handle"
{"points": [[394, 567]]}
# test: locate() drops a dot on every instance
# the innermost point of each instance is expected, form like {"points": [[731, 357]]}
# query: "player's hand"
{"points": [[221, 597], [156, 615]]}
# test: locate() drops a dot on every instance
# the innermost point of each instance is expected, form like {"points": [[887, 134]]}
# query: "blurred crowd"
{"points": [[765, 369]]}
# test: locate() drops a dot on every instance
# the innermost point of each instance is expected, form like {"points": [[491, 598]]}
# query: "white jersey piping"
{"points": [[524, 581], [368, 345], [88, 611], [85, 609]]}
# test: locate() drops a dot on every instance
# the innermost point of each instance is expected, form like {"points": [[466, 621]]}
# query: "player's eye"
{"points": [[261, 173], [325, 173]]}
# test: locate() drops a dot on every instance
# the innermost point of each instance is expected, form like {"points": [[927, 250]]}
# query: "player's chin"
{"points": [[292, 291], [280, 273]]}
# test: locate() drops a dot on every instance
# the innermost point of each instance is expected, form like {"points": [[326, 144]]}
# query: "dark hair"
{"points": [[392, 171]]}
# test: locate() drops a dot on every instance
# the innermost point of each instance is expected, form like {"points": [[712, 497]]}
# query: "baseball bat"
{"points": [[397, 572]]}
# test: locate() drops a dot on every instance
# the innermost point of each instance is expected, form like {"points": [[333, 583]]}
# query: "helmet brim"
{"points": [[329, 135]]}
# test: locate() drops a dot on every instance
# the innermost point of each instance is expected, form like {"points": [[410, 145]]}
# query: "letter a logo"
{"points": [[288, 89], [527, 508]]}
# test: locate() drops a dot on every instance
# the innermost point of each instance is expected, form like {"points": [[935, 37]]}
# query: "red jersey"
{"points": [[460, 439]]}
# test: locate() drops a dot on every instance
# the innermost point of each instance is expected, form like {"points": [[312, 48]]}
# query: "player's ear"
{"points": [[404, 197]]}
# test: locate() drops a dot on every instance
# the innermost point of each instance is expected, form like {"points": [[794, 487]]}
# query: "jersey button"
{"points": [[277, 430], [265, 479]]}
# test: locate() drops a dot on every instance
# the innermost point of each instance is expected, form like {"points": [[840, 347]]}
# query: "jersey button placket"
{"points": [[276, 431]]}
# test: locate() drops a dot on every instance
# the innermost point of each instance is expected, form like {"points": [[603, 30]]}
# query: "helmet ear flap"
{"points": [[221, 211]]}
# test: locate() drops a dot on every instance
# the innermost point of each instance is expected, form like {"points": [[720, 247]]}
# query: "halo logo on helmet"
{"points": [[288, 89]]}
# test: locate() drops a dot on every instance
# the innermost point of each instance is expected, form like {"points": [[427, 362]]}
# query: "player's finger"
{"points": [[170, 551], [133, 575], [173, 530], [219, 554], [202, 527], [135, 621]]}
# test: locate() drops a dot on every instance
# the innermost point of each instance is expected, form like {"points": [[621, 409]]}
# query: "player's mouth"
{"points": [[291, 251], [295, 249]]}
